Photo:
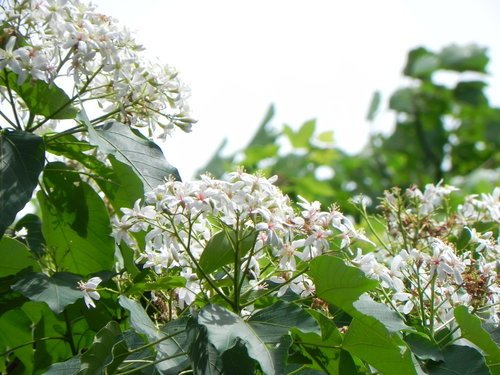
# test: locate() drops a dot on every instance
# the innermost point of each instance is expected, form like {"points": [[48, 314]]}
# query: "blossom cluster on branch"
{"points": [[70, 44], [423, 270]]}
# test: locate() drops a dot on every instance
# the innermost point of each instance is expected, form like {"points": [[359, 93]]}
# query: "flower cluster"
{"points": [[181, 218], [435, 258], [68, 43]]}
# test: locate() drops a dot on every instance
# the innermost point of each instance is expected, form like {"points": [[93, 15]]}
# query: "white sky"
{"points": [[312, 59]]}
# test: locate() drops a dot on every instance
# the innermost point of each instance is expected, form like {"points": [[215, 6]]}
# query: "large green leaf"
{"points": [[204, 357], [15, 332], [323, 350], [369, 340], [45, 323], [128, 146], [265, 335], [423, 347], [57, 291], [22, 156], [69, 367], [75, 224], [169, 350], [15, 256], [463, 58], [383, 313], [119, 182], [372, 335], [463, 360], [107, 352], [472, 330], [40, 97], [338, 283]]}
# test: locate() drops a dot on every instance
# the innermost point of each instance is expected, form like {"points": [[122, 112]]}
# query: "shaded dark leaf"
{"points": [[22, 157]]}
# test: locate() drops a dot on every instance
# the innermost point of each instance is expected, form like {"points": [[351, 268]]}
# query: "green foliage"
{"points": [[130, 147], [57, 291], [22, 158], [15, 257], [248, 303], [443, 131], [40, 97]]}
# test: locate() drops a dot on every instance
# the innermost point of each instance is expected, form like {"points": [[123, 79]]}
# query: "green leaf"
{"points": [[277, 320], [421, 63], [302, 138], [464, 238], [204, 357], [22, 156], [119, 183], [462, 360], [388, 317], [237, 361], [219, 250], [69, 367], [128, 146], [338, 283], [40, 97], [57, 291], [323, 355], [326, 137], [472, 330], [374, 106], [265, 335], [75, 224], [107, 352], [15, 332], [15, 257], [346, 364], [471, 93], [167, 348], [163, 283], [370, 341], [47, 324], [423, 347], [464, 58], [34, 240], [403, 100], [329, 331]]}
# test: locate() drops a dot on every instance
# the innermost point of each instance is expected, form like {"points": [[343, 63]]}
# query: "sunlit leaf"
{"points": [[265, 335], [128, 146], [15, 257], [107, 352], [472, 330], [168, 349], [338, 283], [41, 98], [369, 340], [76, 224]]}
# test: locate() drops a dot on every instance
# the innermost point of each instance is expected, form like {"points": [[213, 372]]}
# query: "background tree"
{"points": [[445, 129]]}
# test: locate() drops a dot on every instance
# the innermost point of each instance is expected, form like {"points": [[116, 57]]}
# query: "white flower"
{"points": [[21, 233], [12, 58], [89, 290]]}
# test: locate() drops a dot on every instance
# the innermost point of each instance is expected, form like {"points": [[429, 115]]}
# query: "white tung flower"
{"points": [[89, 290]]}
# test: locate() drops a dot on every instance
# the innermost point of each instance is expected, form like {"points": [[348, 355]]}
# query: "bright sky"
{"points": [[314, 59]]}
